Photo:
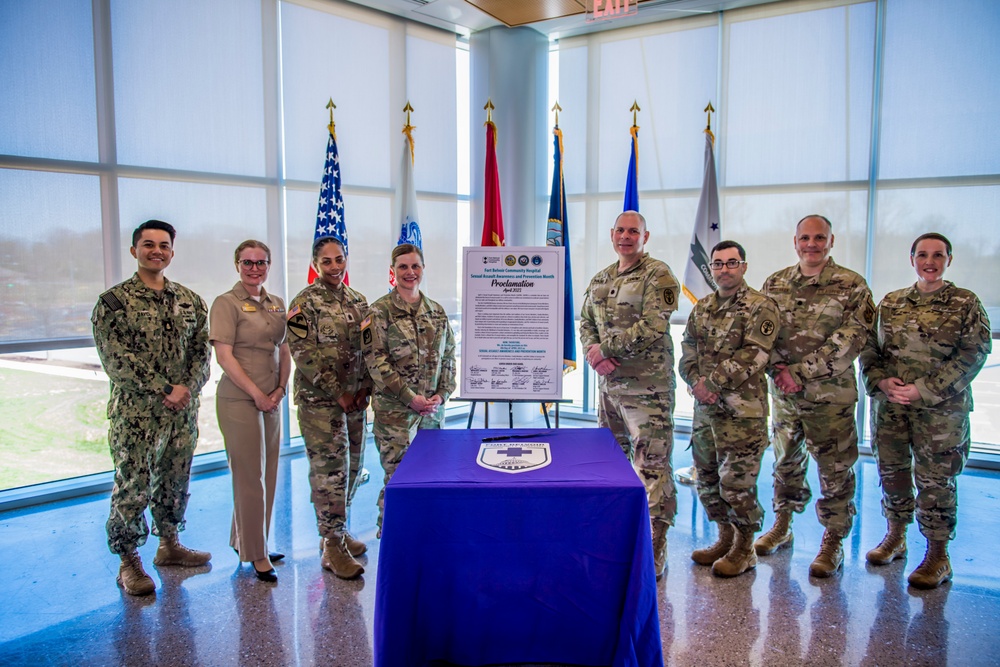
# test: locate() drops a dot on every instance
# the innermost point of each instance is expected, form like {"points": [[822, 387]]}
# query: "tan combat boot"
{"points": [[355, 547], [338, 559], [778, 537], [721, 547], [741, 556], [659, 548], [132, 577], [934, 569], [892, 546], [172, 552], [830, 556]]}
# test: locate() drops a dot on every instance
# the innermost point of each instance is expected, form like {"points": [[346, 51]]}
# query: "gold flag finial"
{"points": [[635, 109], [489, 110], [408, 129], [332, 126], [557, 109], [408, 109], [708, 128]]}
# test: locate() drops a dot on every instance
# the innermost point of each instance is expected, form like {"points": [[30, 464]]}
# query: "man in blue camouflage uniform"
{"points": [[625, 334], [152, 337], [826, 315]]}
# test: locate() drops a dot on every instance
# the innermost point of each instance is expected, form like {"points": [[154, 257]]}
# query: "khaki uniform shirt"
{"points": [[825, 320], [410, 350], [255, 330], [324, 337], [148, 340], [728, 342], [939, 342], [628, 314]]}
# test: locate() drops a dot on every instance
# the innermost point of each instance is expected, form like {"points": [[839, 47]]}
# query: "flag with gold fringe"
{"points": [[557, 234]]}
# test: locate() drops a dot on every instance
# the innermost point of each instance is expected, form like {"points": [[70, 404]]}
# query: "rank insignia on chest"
{"points": [[613, 292], [349, 316], [249, 308], [168, 325]]}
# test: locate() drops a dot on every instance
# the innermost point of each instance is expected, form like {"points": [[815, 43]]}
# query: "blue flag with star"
{"points": [[698, 282], [330, 212]]}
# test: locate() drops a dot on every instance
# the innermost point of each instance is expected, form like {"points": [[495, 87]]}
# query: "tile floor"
{"points": [[60, 604]]}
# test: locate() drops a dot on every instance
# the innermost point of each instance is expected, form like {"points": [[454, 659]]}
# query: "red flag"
{"points": [[493, 220]]}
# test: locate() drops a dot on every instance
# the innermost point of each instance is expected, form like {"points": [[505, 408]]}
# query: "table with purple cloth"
{"points": [[550, 565]]}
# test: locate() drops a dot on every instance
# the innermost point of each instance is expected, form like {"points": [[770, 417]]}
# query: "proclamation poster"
{"points": [[512, 319]]}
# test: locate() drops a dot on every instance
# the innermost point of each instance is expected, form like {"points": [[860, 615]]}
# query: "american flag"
{"points": [[330, 213]]}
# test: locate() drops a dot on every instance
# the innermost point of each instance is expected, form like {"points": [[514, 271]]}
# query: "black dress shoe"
{"points": [[267, 575], [274, 556]]}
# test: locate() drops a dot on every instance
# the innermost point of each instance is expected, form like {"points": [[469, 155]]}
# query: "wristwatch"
{"points": [[167, 389]]}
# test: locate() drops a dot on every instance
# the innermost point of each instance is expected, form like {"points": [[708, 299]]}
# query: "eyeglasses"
{"points": [[729, 264], [259, 263]]}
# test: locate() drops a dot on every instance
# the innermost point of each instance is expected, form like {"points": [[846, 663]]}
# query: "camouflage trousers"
{"points": [[151, 447], [727, 453], [829, 434], [926, 447], [394, 430], [335, 445], [643, 425]]}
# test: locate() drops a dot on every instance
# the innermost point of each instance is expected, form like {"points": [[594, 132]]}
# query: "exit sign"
{"points": [[601, 10]]}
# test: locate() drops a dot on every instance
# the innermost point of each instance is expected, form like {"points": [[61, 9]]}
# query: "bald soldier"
{"points": [[726, 349], [827, 313], [624, 330]]}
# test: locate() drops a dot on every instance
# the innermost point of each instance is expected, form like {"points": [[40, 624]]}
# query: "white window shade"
{"points": [[47, 79], [189, 85]]}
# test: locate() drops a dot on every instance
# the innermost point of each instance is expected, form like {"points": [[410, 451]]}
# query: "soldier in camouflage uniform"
{"points": [[624, 331], [332, 388], [930, 342], [726, 348], [410, 351], [826, 315], [152, 337]]}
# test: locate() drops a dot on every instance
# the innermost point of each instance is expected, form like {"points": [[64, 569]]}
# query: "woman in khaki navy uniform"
{"points": [[331, 391], [247, 328], [930, 341], [410, 351]]}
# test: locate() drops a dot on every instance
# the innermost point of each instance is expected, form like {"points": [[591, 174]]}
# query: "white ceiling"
{"points": [[462, 18]]}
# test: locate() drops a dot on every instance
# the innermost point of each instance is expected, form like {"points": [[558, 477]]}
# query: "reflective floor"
{"points": [[61, 606]]}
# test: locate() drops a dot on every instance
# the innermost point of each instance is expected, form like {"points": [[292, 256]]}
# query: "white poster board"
{"points": [[512, 319]]}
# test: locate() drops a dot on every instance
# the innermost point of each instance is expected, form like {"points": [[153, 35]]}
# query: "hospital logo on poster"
{"points": [[514, 456]]}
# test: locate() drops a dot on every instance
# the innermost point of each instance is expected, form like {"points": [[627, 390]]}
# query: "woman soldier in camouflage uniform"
{"points": [[331, 391], [931, 340], [410, 351]]}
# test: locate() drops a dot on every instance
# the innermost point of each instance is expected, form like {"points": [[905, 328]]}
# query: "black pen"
{"points": [[497, 438]]}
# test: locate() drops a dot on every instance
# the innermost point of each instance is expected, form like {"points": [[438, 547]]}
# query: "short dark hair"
{"points": [[931, 235], [153, 224], [725, 245], [829, 224], [405, 249], [251, 243], [322, 241]]}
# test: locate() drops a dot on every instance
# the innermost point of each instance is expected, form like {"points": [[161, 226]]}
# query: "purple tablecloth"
{"points": [[478, 566]]}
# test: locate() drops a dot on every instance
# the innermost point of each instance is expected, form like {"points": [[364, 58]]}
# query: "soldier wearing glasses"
{"points": [[725, 351], [826, 315]]}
